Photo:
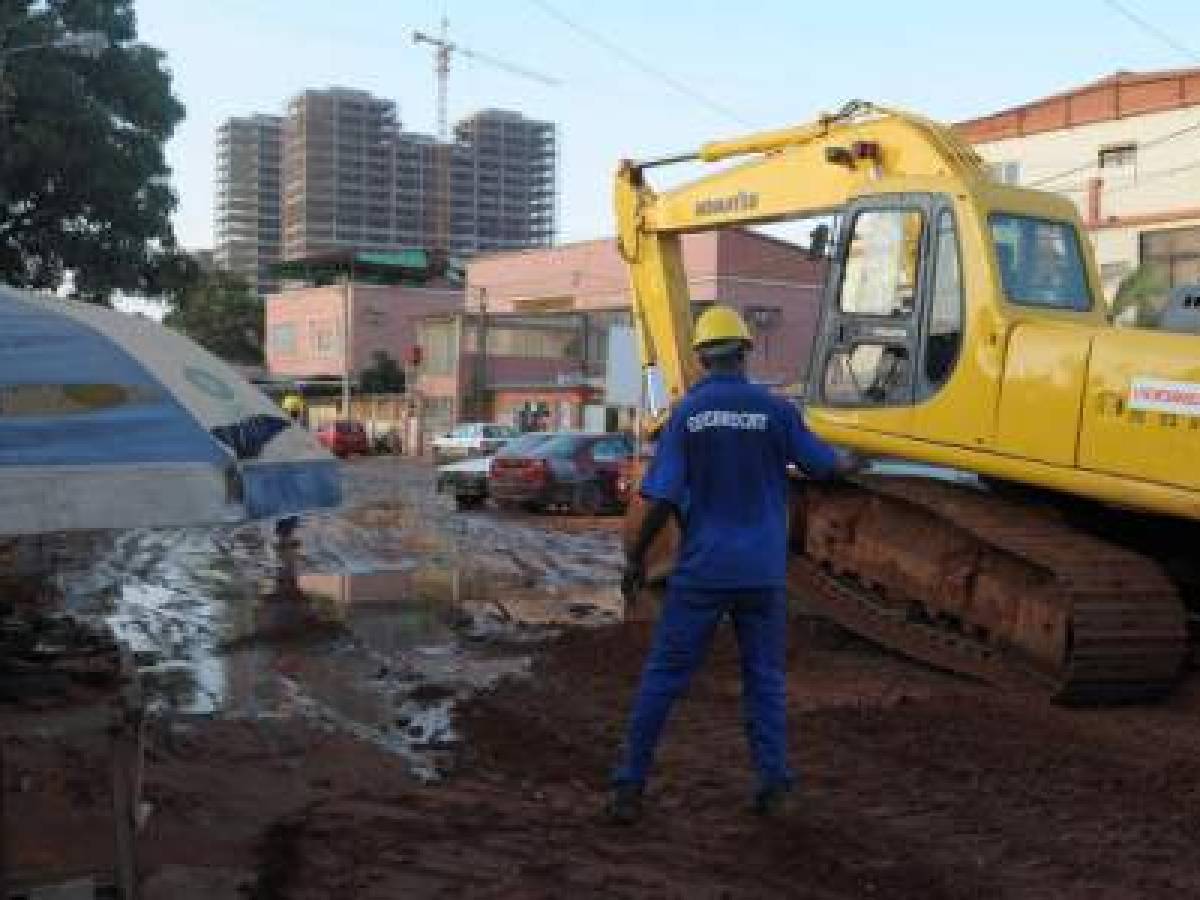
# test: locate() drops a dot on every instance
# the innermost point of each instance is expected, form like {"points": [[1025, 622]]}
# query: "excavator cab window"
{"points": [[882, 257], [893, 323], [1040, 262], [871, 324], [944, 331]]}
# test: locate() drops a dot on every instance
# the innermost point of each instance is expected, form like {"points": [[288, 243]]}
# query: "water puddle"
{"points": [[372, 623]]}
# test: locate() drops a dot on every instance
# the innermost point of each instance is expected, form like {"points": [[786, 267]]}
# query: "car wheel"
{"points": [[467, 502]]}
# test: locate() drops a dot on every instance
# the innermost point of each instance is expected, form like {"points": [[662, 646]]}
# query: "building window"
{"points": [[1005, 172], [533, 342], [322, 338], [1118, 156], [1175, 252], [283, 338], [438, 341]]}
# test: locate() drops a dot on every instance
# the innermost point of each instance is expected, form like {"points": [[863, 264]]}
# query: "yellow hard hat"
{"points": [[720, 323], [293, 403]]}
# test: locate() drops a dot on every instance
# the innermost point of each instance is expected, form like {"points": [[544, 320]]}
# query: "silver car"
{"points": [[471, 439]]}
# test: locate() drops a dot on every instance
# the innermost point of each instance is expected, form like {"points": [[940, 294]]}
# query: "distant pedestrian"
{"points": [[720, 467], [295, 407]]}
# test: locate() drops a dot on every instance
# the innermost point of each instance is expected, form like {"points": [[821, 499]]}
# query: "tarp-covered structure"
{"points": [[112, 421]]}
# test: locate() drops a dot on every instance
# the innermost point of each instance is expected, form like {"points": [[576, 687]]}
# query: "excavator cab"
{"points": [[894, 310], [954, 323]]}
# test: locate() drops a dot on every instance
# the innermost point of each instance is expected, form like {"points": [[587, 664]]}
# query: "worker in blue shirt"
{"points": [[720, 467]]}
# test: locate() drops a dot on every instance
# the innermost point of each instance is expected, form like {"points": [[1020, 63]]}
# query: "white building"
{"points": [[1126, 149]]}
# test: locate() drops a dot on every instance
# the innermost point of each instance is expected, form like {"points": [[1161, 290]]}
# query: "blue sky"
{"points": [[768, 62]]}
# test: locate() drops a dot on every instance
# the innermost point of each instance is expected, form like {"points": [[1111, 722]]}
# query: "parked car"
{"points": [[576, 470], [467, 479], [471, 439], [343, 438]]}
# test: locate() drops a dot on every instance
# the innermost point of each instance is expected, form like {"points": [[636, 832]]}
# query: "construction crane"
{"points": [[443, 48]]}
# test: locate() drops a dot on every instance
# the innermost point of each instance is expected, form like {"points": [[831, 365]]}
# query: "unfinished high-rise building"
{"points": [[339, 162], [354, 179], [247, 221], [503, 182]]}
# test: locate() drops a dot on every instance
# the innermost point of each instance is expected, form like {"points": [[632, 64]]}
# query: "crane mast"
{"points": [[443, 48]]}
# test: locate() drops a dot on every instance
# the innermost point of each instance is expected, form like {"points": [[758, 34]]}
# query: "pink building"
{"points": [[773, 283], [305, 326], [502, 366]]}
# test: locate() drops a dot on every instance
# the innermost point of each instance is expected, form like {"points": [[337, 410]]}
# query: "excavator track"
{"points": [[996, 588]]}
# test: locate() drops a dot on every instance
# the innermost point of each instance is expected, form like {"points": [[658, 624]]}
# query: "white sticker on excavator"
{"points": [[1155, 395]]}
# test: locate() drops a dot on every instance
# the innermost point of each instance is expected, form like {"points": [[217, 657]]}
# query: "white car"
{"points": [[471, 439], [466, 480]]}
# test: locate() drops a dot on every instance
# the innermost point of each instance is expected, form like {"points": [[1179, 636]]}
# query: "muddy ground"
{"points": [[419, 703]]}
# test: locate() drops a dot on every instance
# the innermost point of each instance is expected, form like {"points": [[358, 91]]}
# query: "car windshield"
{"points": [[560, 446], [524, 443], [499, 431], [1040, 263]]}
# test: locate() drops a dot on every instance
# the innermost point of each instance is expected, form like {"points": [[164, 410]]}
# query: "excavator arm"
{"points": [[790, 173]]}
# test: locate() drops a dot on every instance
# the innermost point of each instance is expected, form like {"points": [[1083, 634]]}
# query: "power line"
{"points": [[1140, 179], [1187, 129], [640, 64], [1153, 30], [1143, 177]]}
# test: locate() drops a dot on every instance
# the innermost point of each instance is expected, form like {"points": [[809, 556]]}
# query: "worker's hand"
{"points": [[633, 577], [850, 462]]}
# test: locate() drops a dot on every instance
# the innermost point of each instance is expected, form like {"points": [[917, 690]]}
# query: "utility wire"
{"points": [[640, 64], [1143, 177], [1153, 30], [1140, 179], [1175, 45], [1187, 129]]}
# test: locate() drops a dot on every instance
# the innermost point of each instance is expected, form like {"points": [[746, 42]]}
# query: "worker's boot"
{"points": [[773, 801], [624, 803]]}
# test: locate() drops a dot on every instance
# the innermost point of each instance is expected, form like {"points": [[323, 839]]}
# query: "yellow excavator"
{"points": [[962, 330]]}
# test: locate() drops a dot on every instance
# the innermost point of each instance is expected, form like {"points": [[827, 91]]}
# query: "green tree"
{"points": [[383, 376], [217, 310], [84, 196], [1142, 296]]}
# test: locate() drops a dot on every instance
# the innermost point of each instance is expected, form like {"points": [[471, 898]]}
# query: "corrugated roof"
{"points": [[1131, 95]]}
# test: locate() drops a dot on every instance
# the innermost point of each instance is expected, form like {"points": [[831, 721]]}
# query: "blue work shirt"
{"points": [[722, 460]]}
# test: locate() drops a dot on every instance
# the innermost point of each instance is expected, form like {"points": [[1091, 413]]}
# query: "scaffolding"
{"points": [[247, 221], [354, 178]]}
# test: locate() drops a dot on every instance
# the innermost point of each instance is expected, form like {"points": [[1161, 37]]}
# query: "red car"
{"points": [[582, 472], [343, 438]]}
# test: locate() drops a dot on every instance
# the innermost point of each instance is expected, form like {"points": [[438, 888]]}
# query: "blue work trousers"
{"points": [[681, 641]]}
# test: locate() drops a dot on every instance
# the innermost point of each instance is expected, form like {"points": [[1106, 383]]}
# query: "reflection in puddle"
{"points": [[382, 646]]}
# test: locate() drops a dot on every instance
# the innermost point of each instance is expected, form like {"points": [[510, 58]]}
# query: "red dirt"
{"points": [[916, 785]]}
